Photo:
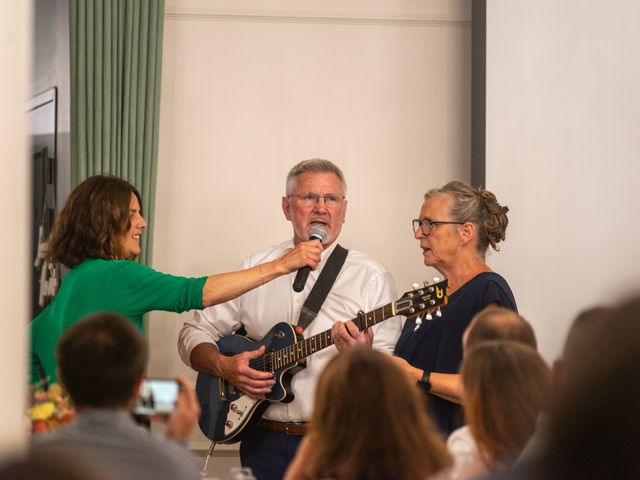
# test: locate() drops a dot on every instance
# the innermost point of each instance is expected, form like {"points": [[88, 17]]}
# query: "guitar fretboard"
{"points": [[292, 354]]}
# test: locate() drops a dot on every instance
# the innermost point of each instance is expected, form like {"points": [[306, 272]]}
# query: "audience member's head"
{"points": [[595, 425], [369, 421], [507, 385], [577, 341], [498, 323], [102, 359]]}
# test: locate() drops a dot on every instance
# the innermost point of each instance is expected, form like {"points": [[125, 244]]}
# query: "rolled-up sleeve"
{"points": [[209, 325]]}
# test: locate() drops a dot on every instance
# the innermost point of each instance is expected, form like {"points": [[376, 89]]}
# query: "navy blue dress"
{"points": [[437, 345]]}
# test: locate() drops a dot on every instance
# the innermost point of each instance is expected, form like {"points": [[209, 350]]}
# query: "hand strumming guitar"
{"points": [[235, 369]]}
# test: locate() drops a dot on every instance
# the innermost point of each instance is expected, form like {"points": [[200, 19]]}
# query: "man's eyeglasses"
{"points": [[427, 225], [311, 199]]}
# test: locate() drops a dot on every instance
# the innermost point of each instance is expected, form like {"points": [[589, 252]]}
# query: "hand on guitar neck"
{"points": [[347, 334], [235, 369]]}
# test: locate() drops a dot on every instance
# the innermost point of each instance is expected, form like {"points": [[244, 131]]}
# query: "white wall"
{"points": [[15, 43], [563, 143], [250, 88]]}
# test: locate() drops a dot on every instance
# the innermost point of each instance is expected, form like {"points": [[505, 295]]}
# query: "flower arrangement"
{"points": [[50, 409]]}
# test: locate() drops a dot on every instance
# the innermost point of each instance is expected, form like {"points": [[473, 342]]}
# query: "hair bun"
{"points": [[495, 221]]}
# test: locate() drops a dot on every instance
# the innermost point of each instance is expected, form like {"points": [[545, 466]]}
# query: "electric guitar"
{"points": [[228, 414]]}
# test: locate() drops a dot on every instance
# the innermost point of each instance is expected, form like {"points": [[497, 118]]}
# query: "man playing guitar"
{"points": [[315, 198]]}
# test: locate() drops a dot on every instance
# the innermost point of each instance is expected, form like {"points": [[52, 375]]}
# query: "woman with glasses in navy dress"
{"points": [[457, 224]]}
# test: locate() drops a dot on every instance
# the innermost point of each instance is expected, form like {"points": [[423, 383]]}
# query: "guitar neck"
{"points": [[292, 354]]}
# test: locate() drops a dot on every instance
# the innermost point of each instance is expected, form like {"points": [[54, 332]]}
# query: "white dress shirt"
{"points": [[362, 284], [466, 458]]}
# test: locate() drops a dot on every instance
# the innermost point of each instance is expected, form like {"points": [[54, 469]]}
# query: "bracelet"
{"points": [[425, 382], [260, 273]]}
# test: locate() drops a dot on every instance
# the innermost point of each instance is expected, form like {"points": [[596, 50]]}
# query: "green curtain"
{"points": [[116, 64]]}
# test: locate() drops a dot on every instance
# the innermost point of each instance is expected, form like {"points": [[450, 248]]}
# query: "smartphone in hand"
{"points": [[158, 396]]}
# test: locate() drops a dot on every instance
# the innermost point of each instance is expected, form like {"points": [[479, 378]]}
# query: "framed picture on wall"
{"points": [[42, 124]]}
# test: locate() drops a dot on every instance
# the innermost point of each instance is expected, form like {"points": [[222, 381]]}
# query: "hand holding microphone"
{"points": [[316, 233], [304, 254]]}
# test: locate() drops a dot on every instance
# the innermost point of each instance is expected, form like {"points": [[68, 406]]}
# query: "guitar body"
{"points": [[227, 413]]}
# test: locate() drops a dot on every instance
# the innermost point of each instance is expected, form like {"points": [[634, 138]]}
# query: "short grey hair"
{"points": [[315, 165]]}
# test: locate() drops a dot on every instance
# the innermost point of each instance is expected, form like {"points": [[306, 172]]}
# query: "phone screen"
{"points": [[158, 396]]}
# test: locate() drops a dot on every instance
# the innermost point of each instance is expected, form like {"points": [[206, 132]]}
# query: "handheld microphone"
{"points": [[316, 233]]}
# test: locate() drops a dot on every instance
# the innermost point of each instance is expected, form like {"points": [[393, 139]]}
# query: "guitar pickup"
{"points": [[222, 391], [225, 389]]}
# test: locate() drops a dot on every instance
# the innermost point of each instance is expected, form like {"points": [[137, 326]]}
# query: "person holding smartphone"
{"points": [[102, 360]]}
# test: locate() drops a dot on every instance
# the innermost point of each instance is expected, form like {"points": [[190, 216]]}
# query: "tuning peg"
{"points": [[428, 316], [415, 286], [436, 279], [418, 323], [438, 313]]}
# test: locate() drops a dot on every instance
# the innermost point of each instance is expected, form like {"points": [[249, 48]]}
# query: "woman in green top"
{"points": [[97, 235]]}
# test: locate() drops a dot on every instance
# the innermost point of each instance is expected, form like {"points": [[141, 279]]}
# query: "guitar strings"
{"points": [[289, 354]]}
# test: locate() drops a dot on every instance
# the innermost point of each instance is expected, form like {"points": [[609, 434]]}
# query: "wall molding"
{"points": [[215, 15]]}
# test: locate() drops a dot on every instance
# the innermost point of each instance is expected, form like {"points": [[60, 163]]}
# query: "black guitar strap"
{"points": [[320, 290]]}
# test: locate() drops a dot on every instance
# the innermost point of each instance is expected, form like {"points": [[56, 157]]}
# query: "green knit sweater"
{"points": [[121, 286]]}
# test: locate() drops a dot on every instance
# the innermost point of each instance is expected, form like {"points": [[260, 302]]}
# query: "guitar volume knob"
{"points": [[229, 424]]}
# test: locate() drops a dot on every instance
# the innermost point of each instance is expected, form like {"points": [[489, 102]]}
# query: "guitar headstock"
{"points": [[424, 299]]}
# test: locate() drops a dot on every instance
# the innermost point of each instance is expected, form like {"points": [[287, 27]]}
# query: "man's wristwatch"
{"points": [[425, 382]]}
